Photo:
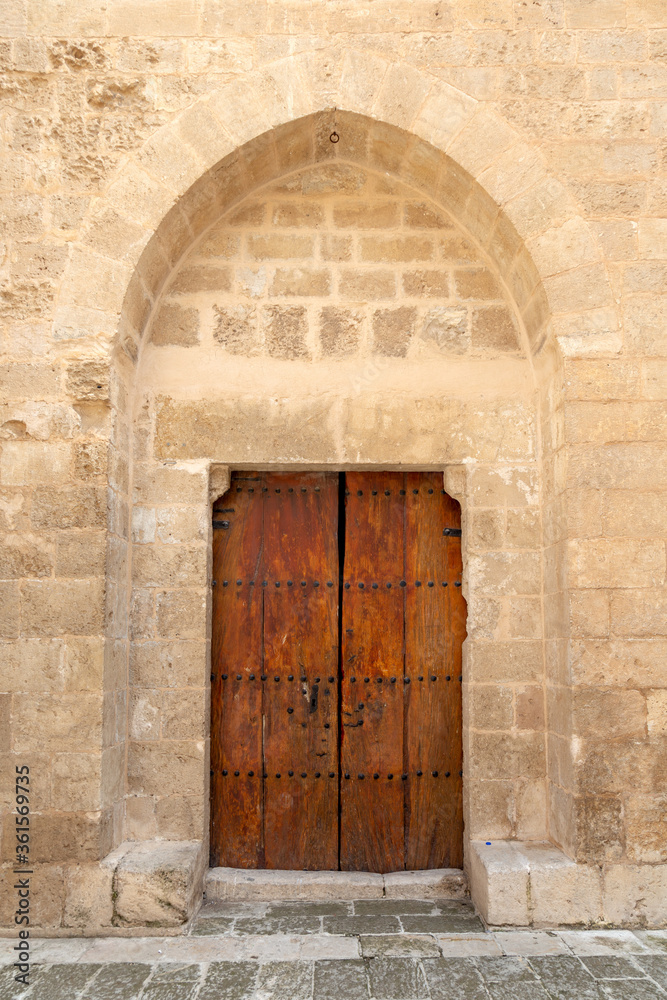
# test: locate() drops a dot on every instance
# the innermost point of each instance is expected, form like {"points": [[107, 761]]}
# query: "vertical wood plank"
{"points": [[300, 568], [236, 665], [372, 809], [434, 831]]}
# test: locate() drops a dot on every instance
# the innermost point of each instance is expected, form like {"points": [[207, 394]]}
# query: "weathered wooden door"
{"points": [[336, 667]]}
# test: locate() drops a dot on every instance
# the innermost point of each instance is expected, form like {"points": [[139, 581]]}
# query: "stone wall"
{"points": [[530, 137]]}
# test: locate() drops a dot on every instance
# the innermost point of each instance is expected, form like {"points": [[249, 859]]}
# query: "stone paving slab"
{"points": [[382, 977], [369, 949]]}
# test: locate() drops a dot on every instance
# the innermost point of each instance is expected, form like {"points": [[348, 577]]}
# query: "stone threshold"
{"points": [[258, 885]]}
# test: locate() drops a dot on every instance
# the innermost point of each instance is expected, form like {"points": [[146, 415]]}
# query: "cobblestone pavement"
{"points": [[367, 950]]}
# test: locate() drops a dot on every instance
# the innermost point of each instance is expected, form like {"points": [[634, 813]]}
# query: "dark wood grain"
{"points": [[308, 726], [301, 641], [432, 707], [236, 705], [372, 821]]}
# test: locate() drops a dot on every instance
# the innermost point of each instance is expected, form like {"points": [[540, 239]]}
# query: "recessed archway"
{"points": [[438, 141]]}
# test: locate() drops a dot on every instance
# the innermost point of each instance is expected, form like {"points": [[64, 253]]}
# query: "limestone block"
{"points": [[635, 895], [63, 607], [438, 883], [168, 664], [35, 463], [361, 76], [245, 885], [89, 897], [70, 722], [499, 882], [505, 662], [166, 767], [656, 708], [561, 891], [402, 94], [499, 573], [75, 782], [180, 614], [616, 562], [157, 883]]}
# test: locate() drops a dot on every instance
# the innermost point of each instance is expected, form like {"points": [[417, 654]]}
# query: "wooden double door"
{"points": [[338, 622]]}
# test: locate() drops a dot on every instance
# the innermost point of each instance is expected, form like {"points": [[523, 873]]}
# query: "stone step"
{"points": [[245, 885]]}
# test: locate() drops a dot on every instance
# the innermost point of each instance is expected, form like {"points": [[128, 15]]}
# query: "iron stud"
{"points": [[236, 774], [290, 711], [390, 776], [290, 677], [224, 774], [361, 777], [419, 774], [224, 677], [225, 583], [251, 774], [447, 773], [434, 773], [376, 776], [263, 677], [418, 583], [303, 774], [332, 774]]}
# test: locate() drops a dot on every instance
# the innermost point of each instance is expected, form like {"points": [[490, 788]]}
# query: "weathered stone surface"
{"points": [[195, 272], [235, 884], [156, 883]]}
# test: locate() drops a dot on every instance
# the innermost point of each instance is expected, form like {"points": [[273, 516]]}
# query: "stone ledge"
{"points": [[157, 883], [525, 883], [245, 885]]}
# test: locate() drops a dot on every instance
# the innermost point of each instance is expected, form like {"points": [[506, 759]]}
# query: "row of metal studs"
{"points": [[332, 774], [387, 493], [316, 489], [316, 583], [332, 680]]}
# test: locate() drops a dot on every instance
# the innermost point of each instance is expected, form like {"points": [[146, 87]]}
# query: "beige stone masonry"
{"points": [[195, 278]]}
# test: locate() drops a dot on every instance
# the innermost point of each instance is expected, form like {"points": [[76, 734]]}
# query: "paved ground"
{"points": [[381, 949]]}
